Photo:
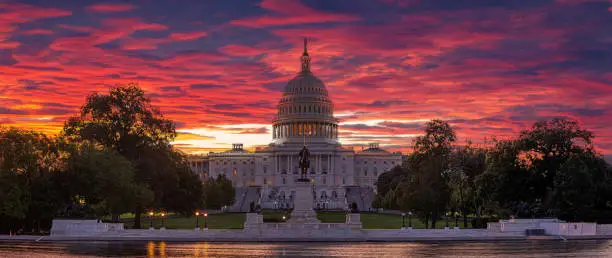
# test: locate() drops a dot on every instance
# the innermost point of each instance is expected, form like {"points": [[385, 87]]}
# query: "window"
{"points": [[265, 169], [235, 172], [365, 171], [265, 181], [284, 181], [343, 181], [324, 180]]}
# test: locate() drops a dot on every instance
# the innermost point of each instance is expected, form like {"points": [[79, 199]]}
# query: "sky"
{"points": [[218, 68]]}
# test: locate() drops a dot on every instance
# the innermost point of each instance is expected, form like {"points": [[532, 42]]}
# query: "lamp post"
{"points": [[410, 219], [151, 219], [162, 220], [197, 220], [403, 220], [205, 225], [447, 214], [456, 219]]}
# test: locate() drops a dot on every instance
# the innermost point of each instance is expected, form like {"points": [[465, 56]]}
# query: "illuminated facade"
{"points": [[304, 117]]}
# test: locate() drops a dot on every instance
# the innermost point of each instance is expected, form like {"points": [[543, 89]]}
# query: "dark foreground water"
{"points": [[590, 248]]}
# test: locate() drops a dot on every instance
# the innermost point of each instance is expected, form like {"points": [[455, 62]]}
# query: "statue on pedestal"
{"points": [[304, 163]]}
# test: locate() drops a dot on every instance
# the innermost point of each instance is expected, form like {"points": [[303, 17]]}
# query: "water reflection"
{"points": [[591, 248]]}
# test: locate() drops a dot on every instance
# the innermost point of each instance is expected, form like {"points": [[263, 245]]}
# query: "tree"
{"points": [[583, 189], [218, 192], [547, 146], [466, 163], [105, 180], [125, 121], [426, 190], [386, 184], [28, 163]]}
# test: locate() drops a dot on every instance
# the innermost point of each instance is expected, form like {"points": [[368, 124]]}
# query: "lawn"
{"points": [[236, 220]]}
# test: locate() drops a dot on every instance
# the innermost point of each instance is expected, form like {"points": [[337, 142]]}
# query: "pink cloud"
{"points": [[110, 7], [284, 13], [186, 36]]}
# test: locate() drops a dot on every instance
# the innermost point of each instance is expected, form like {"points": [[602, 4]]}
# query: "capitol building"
{"points": [[305, 116]]}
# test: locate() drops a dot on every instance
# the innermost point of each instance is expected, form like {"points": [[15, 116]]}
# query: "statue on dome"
{"points": [[304, 163]]}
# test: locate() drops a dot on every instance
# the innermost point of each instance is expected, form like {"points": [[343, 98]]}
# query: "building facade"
{"points": [[304, 117]]}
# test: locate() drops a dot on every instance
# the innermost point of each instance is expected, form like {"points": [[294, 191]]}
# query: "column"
{"points": [[328, 163], [333, 166]]}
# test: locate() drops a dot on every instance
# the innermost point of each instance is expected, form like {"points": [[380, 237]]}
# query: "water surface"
{"points": [[584, 248]]}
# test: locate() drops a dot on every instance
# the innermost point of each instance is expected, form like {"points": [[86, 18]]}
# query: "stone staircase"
{"points": [[362, 196], [252, 194], [240, 195]]}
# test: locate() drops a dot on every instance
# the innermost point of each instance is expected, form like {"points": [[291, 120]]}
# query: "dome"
{"points": [[305, 109]]}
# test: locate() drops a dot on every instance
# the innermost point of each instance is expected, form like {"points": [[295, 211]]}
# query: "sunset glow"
{"points": [[218, 68]]}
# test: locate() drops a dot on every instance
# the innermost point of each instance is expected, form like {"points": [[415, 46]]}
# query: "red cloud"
{"points": [[239, 50], [15, 13], [186, 36], [110, 7], [37, 32], [291, 12]]}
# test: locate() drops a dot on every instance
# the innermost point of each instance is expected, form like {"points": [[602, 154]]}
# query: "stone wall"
{"points": [[604, 229], [69, 227]]}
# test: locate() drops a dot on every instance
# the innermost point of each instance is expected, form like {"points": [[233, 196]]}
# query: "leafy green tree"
{"points": [[28, 163], [426, 190], [386, 184], [583, 189], [546, 147], [218, 192], [466, 163], [124, 120], [105, 180]]}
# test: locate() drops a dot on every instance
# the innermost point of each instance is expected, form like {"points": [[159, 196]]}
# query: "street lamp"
{"points": [[403, 220], [162, 219], [447, 214], [205, 216], [197, 220], [151, 218], [284, 218], [456, 219], [410, 219]]}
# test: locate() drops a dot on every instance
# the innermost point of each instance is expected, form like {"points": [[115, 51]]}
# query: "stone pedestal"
{"points": [[253, 220], [353, 220], [302, 204]]}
